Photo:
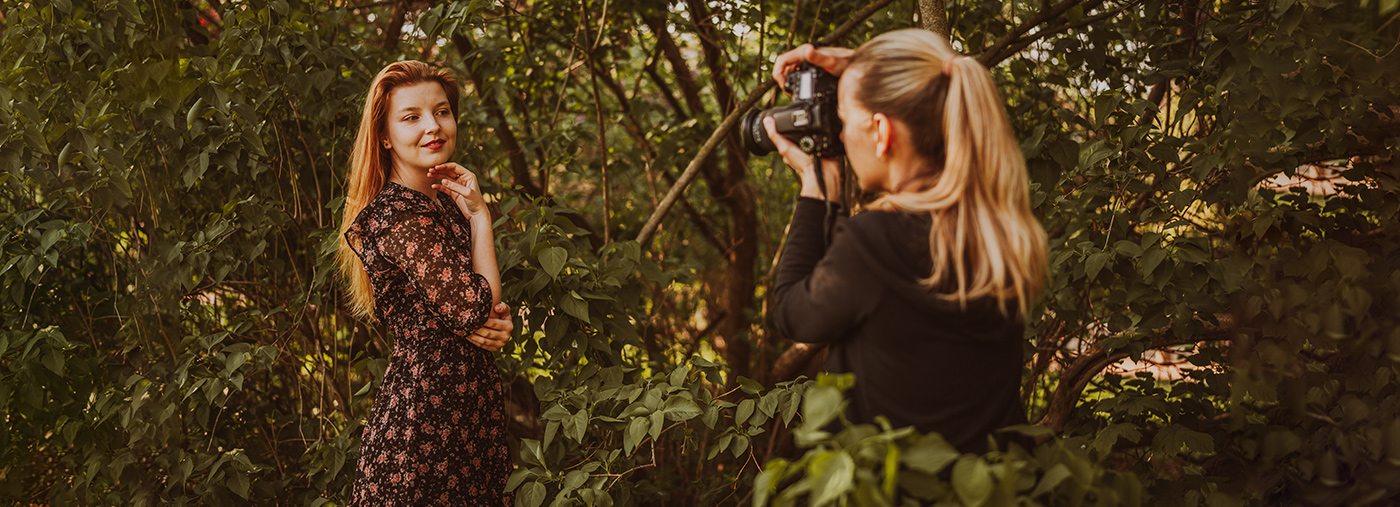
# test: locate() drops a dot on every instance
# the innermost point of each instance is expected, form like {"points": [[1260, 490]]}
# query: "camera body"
{"points": [[810, 120]]}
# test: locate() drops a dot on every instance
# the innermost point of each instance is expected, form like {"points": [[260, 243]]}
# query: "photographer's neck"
{"points": [[911, 177]]}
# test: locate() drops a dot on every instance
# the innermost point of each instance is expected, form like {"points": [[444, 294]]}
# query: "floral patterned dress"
{"points": [[436, 434]]}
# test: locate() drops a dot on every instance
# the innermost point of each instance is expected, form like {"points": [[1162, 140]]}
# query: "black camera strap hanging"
{"points": [[828, 221]]}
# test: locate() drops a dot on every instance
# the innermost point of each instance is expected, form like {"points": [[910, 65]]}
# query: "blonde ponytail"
{"points": [[370, 165], [985, 242]]}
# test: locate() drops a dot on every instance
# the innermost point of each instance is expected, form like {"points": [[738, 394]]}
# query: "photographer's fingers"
{"points": [[832, 59], [788, 62], [795, 158]]}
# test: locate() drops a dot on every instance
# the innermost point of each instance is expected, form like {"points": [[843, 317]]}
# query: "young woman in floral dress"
{"points": [[417, 254]]}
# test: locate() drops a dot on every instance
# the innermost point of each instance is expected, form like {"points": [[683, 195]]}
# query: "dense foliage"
{"points": [[1219, 180]]}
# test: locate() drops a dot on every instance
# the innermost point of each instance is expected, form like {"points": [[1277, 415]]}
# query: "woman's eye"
{"points": [[443, 112], [411, 117]]}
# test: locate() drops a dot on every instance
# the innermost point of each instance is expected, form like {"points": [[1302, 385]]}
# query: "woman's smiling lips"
{"points": [[435, 144]]}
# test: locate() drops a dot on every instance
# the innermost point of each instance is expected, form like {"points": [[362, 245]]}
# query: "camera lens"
{"points": [[753, 135]]}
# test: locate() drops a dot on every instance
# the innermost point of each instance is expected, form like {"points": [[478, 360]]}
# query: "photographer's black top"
{"points": [[918, 360]]}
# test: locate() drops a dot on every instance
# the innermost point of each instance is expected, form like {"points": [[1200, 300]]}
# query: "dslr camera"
{"points": [[810, 120]]}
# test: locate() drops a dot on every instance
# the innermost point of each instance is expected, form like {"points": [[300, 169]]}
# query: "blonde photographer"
{"points": [[923, 295]]}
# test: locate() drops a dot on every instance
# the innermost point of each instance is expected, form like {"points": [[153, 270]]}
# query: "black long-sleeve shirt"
{"points": [[919, 360]]}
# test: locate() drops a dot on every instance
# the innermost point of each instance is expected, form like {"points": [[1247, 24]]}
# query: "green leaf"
{"points": [[972, 481], [1174, 439], [573, 480], [1052, 478], [821, 405], [833, 473], [767, 481], [531, 495], [636, 431], [575, 306], [1108, 437], [552, 260], [742, 413], [681, 409], [741, 444], [930, 455], [750, 386], [1095, 263], [50, 237]]}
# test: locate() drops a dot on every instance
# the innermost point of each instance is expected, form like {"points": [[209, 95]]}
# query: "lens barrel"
{"points": [[752, 134]]}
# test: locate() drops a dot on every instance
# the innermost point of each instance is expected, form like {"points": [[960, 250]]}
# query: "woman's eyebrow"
{"points": [[410, 109]]}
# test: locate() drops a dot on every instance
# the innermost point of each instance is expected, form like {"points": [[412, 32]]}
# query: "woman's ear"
{"points": [[882, 134]]}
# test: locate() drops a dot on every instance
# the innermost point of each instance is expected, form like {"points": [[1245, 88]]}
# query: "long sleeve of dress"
{"points": [[821, 292], [440, 264]]}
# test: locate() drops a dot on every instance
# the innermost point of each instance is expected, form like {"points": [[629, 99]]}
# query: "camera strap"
{"points": [[829, 221]]}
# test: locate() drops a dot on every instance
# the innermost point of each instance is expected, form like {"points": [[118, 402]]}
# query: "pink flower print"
{"points": [[435, 400], [412, 414], [412, 247], [391, 433], [476, 462], [400, 457], [373, 488], [408, 433], [444, 370], [452, 482], [442, 467], [395, 478], [423, 468], [456, 416], [410, 476]]}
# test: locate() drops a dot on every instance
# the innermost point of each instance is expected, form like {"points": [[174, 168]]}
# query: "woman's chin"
{"points": [[436, 160]]}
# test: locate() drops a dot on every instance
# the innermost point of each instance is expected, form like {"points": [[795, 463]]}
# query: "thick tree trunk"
{"points": [[394, 31]]}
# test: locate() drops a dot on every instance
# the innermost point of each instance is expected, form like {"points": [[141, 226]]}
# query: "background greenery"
{"points": [[1219, 180]]}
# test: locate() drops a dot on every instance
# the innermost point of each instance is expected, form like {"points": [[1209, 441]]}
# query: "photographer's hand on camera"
{"points": [[831, 59], [804, 165]]}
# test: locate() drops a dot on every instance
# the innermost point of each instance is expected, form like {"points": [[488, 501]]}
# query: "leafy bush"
{"points": [[1219, 181]]}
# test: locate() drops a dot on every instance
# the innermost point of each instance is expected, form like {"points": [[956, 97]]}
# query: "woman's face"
{"points": [[858, 133], [421, 131]]}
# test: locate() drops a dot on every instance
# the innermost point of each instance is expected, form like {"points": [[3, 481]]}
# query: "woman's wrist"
{"points": [[480, 219]]}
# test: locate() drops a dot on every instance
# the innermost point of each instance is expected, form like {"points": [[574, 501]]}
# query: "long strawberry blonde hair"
{"points": [[370, 166], [984, 241]]}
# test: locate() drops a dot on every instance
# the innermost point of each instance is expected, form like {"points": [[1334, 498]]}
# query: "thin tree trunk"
{"points": [[933, 15]]}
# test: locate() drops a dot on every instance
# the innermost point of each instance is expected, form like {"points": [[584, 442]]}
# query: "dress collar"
{"points": [[415, 197]]}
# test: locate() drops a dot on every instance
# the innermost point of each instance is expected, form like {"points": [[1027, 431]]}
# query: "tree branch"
{"points": [[1047, 13], [649, 230], [1086, 366]]}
